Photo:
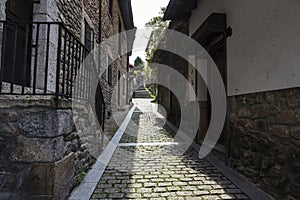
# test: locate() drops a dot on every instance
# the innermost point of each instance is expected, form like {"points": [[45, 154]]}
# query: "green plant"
{"points": [[80, 178], [151, 94]]}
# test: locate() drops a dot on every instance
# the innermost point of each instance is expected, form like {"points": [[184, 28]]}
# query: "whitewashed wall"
{"points": [[264, 50]]}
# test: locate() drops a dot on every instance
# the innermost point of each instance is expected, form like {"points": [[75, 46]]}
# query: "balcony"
{"points": [[45, 59]]}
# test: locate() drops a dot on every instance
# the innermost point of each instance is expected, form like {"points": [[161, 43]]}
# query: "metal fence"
{"points": [[45, 58]]}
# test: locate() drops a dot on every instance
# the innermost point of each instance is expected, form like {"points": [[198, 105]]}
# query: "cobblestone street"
{"points": [[146, 165]]}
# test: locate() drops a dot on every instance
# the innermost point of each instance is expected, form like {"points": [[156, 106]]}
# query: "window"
{"points": [[110, 8], [16, 59], [88, 37]]}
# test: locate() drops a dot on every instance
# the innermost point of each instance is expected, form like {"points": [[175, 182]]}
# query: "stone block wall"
{"points": [[265, 140], [42, 153], [2, 10], [110, 27], [72, 14], [2, 17]]}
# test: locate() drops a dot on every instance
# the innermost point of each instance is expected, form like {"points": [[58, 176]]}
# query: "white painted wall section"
{"points": [[264, 50]]}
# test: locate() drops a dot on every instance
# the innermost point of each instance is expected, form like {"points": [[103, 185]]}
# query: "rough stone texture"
{"points": [[265, 140], [36, 150], [59, 176], [73, 13], [46, 11], [110, 27], [87, 141], [2, 10], [2, 17], [42, 153], [64, 176], [47, 124], [70, 13]]}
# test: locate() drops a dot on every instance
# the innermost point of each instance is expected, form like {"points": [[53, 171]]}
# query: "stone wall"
{"points": [[44, 148], [2, 17], [72, 14], [42, 154], [265, 140], [2, 10], [110, 27]]}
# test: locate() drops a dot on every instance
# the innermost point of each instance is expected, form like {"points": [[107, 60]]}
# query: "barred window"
{"points": [[89, 37]]}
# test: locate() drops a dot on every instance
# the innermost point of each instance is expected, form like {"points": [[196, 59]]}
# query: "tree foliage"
{"points": [[158, 25], [138, 62], [157, 21]]}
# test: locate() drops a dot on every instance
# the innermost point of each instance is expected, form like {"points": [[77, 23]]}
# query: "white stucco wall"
{"points": [[264, 50]]}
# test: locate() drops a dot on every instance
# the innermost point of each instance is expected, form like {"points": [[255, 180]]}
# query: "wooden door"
{"points": [[217, 53]]}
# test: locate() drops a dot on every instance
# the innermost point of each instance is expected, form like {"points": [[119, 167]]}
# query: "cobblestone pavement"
{"points": [[146, 165]]}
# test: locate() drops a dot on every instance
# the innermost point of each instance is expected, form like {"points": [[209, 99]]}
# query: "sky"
{"points": [[144, 11]]}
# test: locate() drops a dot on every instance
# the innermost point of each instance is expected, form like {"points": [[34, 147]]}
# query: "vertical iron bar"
{"points": [[88, 68], [2, 54], [64, 63], [82, 73], [78, 53], [47, 59], [68, 67], [103, 110], [36, 57], [72, 67], [58, 60], [90, 71], [25, 59], [14, 59], [78, 70]]}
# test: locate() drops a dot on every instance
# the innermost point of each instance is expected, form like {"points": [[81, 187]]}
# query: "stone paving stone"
{"points": [[159, 172]]}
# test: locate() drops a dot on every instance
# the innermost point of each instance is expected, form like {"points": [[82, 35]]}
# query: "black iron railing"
{"points": [[45, 58]]}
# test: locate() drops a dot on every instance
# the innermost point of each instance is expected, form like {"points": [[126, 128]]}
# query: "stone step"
{"points": [[141, 94]]}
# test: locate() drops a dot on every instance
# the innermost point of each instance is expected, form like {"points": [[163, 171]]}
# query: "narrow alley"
{"points": [[140, 99], [146, 165]]}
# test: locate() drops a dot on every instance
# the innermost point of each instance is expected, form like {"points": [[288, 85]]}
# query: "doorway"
{"points": [[17, 44], [217, 53], [211, 36]]}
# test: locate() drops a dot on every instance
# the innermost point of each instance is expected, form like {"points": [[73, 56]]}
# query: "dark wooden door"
{"points": [[17, 54], [217, 53]]}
